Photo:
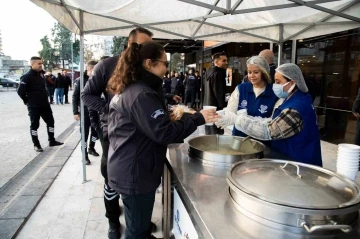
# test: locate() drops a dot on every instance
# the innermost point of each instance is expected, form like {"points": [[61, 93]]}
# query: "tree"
{"points": [[120, 44], [88, 54], [177, 62], [63, 43], [48, 54]]}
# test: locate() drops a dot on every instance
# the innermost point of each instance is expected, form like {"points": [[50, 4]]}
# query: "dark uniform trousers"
{"points": [[138, 211], [93, 133], [111, 198], [66, 92], [45, 113], [50, 91]]}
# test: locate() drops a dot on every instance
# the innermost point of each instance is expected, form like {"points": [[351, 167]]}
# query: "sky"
{"points": [[22, 25]]}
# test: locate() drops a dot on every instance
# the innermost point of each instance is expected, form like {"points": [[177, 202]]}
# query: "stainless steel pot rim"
{"points": [[235, 186], [211, 136]]}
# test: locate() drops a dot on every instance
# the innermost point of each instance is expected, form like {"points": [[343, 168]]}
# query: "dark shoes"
{"points": [[55, 143], [114, 232], [38, 148], [153, 227], [87, 160], [93, 152]]}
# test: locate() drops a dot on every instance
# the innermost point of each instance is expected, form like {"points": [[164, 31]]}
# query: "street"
{"points": [[16, 148]]}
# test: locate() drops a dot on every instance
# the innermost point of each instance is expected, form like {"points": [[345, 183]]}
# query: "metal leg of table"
{"points": [[167, 203]]}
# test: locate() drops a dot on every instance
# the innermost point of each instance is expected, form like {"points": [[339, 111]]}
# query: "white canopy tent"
{"points": [[273, 21]]}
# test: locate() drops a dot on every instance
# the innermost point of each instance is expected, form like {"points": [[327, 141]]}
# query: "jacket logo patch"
{"points": [[157, 113], [243, 104], [263, 109]]}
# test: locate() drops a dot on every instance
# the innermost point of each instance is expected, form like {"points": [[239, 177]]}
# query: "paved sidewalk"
{"points": [[73, 210], [16, 148]]}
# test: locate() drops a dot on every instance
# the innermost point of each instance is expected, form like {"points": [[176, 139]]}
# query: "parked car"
{"points": [[7, 82]]}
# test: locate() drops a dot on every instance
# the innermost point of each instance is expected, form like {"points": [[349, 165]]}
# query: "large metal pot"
{"points": [[297, 197], [205, 148]]}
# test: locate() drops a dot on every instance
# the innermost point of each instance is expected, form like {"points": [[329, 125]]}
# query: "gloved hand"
{"points": [[228, 119]]}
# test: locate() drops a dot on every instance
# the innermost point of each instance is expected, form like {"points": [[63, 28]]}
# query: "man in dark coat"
{"points": [[33, 92], [215, 87]]}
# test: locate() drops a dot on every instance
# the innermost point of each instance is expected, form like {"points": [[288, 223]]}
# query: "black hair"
{"points": [[91, 63], [130, 64], [35, 58], [218, 55], [104, 57], [137, 30]]}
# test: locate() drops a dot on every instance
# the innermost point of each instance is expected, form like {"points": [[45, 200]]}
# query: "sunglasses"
{"points": [[166, 63]]}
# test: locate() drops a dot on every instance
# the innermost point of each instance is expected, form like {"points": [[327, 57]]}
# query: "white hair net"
{"points": [[260, 62], [293, 72]]}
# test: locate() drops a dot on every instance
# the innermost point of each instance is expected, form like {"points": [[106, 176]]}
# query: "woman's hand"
{"points": [[210, 115]]}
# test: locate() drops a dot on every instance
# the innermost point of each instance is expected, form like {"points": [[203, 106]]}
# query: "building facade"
{"points": [[331, 68]]}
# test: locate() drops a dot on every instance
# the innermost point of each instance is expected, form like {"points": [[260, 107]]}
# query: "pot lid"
{"points": [[293, 184]]}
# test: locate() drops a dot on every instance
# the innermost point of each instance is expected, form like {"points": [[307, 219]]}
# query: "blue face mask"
{"points": [[279, 90]]}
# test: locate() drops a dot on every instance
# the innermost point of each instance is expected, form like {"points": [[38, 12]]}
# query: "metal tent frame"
{"points": [[230, 9]]}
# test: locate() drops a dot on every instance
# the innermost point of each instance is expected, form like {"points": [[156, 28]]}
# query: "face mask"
{"points": [[279, 90]]}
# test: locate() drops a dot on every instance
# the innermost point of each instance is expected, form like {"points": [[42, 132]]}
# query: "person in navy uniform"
{"points": [[256, 95], [33, 92], [139, 131], [87, 122], [292, 128], [191, 85]]}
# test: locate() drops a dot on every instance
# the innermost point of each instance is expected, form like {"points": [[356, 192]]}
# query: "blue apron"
{"points": [[261, 106], [303, 147]]}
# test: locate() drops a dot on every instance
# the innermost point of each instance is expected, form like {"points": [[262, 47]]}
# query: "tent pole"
{"points": [[82, 124], [202, 76], [281, 39], [271, 46], [293, 51]]}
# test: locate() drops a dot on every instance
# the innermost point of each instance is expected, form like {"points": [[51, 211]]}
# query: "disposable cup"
{"points": [[348, 159], [348, 174], [209, 107], [346, 152], [345, 164], [349, 148]]}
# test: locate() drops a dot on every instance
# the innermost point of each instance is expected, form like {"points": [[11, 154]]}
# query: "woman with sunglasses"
{"points": [[140, 130]]}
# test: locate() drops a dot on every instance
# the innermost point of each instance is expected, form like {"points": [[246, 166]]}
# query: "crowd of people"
{"points": [[126, 99], [187, 86], [57, 87]]}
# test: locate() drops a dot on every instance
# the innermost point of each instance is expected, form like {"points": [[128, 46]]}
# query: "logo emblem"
{"points": [[243, 104], [263, 109], [157, 113]]}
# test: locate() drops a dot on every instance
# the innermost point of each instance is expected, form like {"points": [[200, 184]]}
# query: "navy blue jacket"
{"points": [[190, 82], [139, 131], [177, 86], [261, 106]]}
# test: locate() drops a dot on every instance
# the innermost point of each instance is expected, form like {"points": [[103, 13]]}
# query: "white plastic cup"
{"points": [[220, 112], [209, 107], [348, 174]]}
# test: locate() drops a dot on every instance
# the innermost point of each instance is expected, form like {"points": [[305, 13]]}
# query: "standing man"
{"points": [[93, 90], [269, 57], [214, 88], [67, 85], [50, 82], [76, 110], [59, 89], [191, 86], [33, 92], [198, 90]]}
